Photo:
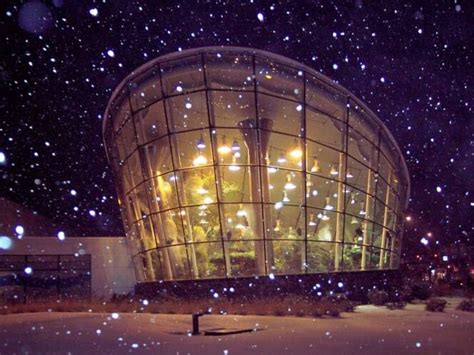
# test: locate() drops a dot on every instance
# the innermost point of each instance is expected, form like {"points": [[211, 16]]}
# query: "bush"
{"points": [[333, 312], [396, 305], [317, 313], [377, 297], [466, 305], [405, 293], [436, 305], [422, 290]]}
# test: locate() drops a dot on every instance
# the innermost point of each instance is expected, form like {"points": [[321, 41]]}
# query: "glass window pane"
{"points": [[352, 256], [285, 116], [182, 76], [201, 224], [207, 259], [229, 71], [320, 257], [357, 175], [283, 151], [126, 140], [285, 223], [365, 125], [322, 161], [286, 187], [133, 170], [120, 110], [161, 192], [288, 257], [178, 261], [145, 89], [230, 108], [321, 225], [321, 193], [325, 98], [243, 257], [187, 112], [191, 149], [278, 79], [196, 186], [150, 123], [324, 129], [156, 157], [242, 221], [236, 184], [231, 147]]}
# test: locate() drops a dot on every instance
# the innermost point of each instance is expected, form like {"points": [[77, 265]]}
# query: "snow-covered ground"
{"points": [[370, 329]]}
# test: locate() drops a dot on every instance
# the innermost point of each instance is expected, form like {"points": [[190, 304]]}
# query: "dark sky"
{"points": [[412, 63]]}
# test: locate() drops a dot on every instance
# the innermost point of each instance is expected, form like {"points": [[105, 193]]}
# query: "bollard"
{"points": [[196, 321]]}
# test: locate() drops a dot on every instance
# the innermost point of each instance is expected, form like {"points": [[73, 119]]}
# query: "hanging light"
{"points": [[315, 168], [202, 213], [278, 205], [289, 185], [200, 160], [309, 183], [200, 144], [237, 154], [314, 192], [235, 146], [349, 174], [241, 212], [354, 220], [353, 198], [277, 226], [233, 166], [224, 148], [296, 152], [203, 221], [328, 206], [285, 197], [362, 209], [272, 170], [323, 216], [281, 159], [333, 170], [207, 200], [312, 222], [201, 190]]}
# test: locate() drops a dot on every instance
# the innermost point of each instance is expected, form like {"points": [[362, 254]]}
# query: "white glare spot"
{"points": [[188, 105], [19, 230], [260, 17], [299, 108], [215, 295], [110, 53], [438, 189], [28, 270], [3, 158], [115, 315], [61, 235], [145, 302], [340, 284], [179, 88], [424, 241], [92, 213], [94, 12], [418, 344], [271, 277], [5, 243], [73, 192], [98, 331], [335, 66]]}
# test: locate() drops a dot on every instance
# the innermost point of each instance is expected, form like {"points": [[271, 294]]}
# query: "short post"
{"points": [[196, 321]]}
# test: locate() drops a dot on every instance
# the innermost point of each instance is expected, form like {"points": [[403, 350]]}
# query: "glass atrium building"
{"points": [[234, 162]]}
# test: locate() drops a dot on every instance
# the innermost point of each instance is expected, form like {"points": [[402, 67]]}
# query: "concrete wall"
{"points": [[111, 268]]}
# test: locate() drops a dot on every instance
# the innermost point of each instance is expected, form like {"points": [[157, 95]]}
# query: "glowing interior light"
{"points": [[241, 212], [328, 206], [311, 223], [349, 174], [235, 146], [315, 168], [202, 213], [19, 230], [362, 209], [234, 166], [333, 170], [354, 220], [200, 160], [200, 143], [353, 198], [239, 226], [277, 226], [272, 170], [289, 185], [314, 192], [203, 207], [271, 187], [323, 216], [188, 105], [208, 200], [281, 159], [203, 221], [296, 152], [278, 205], [268, 76], [201, 190], [309, 183], [285, 197], [224, 148], [237, 154]]}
